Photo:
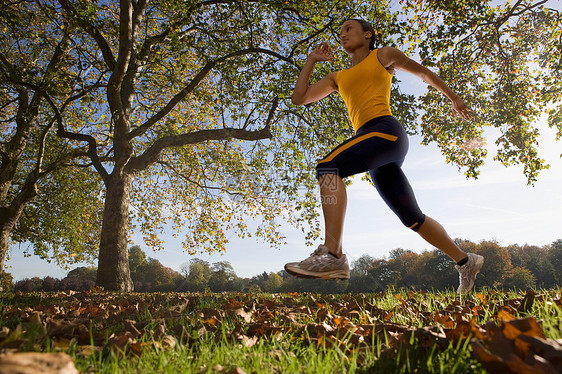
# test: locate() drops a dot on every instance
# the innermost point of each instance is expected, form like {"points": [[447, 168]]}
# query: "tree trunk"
{"points": [[4, 238], [113, 262], [8, 221]]}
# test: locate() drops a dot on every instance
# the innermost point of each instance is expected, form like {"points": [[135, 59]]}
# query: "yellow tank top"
{"points": [[365, 89]]}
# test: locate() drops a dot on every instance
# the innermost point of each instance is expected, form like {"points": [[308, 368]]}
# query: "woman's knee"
{"points": [[323, 169], [413, 221]]}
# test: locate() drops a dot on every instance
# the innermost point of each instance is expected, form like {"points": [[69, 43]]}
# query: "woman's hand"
{"points": [[321, 53], [305, 94], [460, 108]]}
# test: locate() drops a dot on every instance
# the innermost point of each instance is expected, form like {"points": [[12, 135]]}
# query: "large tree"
{"points": [[60, 224], [184, 84]]}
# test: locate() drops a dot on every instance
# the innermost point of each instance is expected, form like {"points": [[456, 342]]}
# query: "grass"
{"points": [[310, 333]]}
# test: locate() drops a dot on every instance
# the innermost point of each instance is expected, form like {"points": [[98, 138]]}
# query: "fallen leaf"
{"points": [[130, 326], [249, 342], [120, 341], [506, 314], [37, 363], [88, 350], [247, 317], [237, 370]]}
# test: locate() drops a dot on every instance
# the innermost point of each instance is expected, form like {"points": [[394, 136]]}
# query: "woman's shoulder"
{"points": [[389, 55], [333, 76], [387, 50]]}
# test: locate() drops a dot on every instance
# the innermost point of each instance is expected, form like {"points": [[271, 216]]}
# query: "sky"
{"points": [[499, 205]]}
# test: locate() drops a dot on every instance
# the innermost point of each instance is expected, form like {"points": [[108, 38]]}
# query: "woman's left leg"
{"points": [[433, 233], [394, 188], [396, 191]]}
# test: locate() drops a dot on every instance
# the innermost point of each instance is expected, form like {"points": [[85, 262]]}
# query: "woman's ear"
{"points": [[368, 35]]}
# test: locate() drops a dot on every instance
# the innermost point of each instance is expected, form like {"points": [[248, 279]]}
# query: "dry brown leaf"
{"points": [[207, 313], [232, 304], [528, 326], [492, 363], [249, 342], [388, 315], [445, 320], [527, 302], [240, 313], [168, 341], [37, 363], [483, 299], [14, 339], [211, 323], [548, 349], [4, 332], [35, 318], [88, 350], [340, 321], [120, 341], [427, 337], [506, 314], [130, 326], [517, 346], [236, 370], [160, 329]]}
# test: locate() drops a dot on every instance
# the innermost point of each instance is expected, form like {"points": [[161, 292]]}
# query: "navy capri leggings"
{"points": [[379, 147]]}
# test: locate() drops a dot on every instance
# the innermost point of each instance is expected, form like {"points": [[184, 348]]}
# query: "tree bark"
{"points": [[8, 219], [5, 231], [113, 262]]}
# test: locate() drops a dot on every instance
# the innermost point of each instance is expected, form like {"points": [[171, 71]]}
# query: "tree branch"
{"points": [[193, 84], [152, 154], [294, 49], [274, 105], [28, 189], [60, 50], [93, 32], [41, 152], [188, 179], [138, 12], [92, 144], [512, 13], [125, 42]]}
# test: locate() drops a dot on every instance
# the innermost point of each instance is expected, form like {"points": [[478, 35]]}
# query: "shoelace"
{"points": [[317, 252]]}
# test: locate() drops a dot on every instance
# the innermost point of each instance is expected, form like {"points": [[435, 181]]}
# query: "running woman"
{"points": [[379, 146]]}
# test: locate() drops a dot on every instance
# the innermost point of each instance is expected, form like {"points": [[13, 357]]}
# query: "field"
{"points": [[396, 331]]}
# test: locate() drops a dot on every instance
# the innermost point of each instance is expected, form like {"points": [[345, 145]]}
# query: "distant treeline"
{"points": [[507, 267]]}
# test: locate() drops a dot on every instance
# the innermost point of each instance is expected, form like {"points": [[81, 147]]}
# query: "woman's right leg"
{"points": [[334, 203]]}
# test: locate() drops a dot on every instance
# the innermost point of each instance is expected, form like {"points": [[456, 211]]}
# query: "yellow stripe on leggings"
{"points": [[414, 225], [392, 138]]}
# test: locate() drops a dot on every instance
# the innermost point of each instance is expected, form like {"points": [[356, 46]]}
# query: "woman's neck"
{"points": [[359, 55]]}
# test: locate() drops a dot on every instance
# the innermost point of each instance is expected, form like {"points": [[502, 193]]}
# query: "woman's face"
{"points": [[352, 36]]}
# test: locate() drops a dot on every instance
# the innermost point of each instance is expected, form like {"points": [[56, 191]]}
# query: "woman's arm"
{"points": [[392, 58], [305, 94]]}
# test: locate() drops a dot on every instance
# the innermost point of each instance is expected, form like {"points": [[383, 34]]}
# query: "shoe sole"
{"points": [[333, 274]]}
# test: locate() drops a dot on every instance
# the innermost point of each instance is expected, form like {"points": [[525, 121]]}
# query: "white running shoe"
{"points": [[320, 264], [468, 271]]}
